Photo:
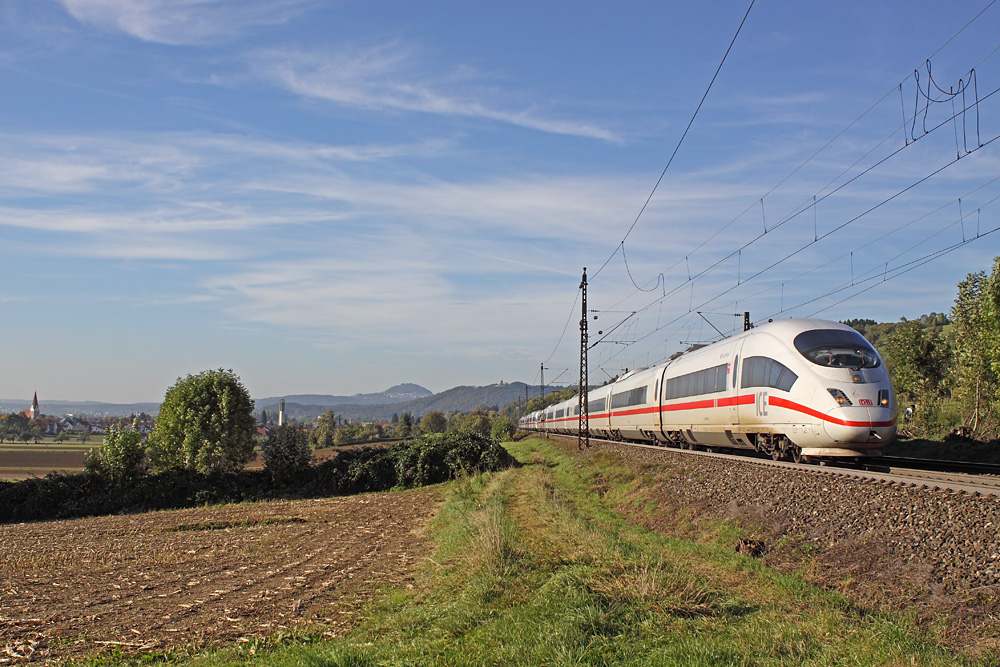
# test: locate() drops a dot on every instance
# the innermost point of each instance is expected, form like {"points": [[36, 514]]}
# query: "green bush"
{"points": [[205, 423], [427, 460], [121, 457], [503, 429], [286, 452]]}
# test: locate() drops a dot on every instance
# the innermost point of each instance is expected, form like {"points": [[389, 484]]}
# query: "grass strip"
{"points": [[534, 567]]}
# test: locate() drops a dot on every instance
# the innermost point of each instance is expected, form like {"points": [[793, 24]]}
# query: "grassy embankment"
{"points": [[534, 567]]}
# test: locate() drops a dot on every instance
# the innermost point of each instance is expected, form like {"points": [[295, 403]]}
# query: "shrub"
{"points": [[121, 457], [428, 460], [205, 423], [286, 452], [503, 429]]}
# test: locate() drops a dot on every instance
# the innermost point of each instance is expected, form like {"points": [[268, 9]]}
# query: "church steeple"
{"points": [[34, 407]]}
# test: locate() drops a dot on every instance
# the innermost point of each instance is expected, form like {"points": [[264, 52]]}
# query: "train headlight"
{"points": [[840, 397], [857, 378], [883, 398]]}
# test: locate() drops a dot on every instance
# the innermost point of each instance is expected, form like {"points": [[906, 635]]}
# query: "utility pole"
{"points": [[584, 433], [541, 388]]}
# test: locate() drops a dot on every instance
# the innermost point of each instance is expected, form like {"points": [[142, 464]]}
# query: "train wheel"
{"points": [[797, 454], [775, 454]]}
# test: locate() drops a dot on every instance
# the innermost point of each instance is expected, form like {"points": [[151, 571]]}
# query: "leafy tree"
{"points": [[263, 417], [322, 436], [503, 428], [976, 314], [286, 452], [371, 432], [205, 424], [434, 422], [122, 456], [347, 434], [479, 421], [918, 360], [551, 399], [404, 427]]}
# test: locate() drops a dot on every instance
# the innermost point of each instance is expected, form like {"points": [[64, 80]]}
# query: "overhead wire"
{"points": [[887, 235], [679, 142], [832, 231], [814, 203], [798, 250], [821, 195]]}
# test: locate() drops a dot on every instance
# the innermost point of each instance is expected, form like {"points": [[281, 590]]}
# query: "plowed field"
{"points": [[202, 576]]}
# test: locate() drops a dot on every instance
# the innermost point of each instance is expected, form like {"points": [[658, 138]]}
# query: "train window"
{"points": [[593, 407], [767, 372], [720, 377], [560, 414], [625, 399], [705, 381], [775, 373], [836, 348], [758, 371]]}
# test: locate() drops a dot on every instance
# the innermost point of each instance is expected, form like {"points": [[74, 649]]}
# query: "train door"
{"points": [[733, 384], [660, 391]]}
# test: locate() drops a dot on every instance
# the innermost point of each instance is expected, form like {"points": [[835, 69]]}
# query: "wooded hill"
{"points": [[457, 399]]}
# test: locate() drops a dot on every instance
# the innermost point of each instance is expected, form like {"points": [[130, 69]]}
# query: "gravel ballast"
{"points": [[886, 545]]}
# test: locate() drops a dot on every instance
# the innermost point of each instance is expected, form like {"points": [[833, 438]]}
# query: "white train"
{"points": [[794, 389]]}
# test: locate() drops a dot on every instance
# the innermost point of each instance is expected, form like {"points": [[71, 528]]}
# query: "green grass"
{"points": [[533, 567]]}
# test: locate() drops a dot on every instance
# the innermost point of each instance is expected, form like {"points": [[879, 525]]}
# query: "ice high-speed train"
{"points": [[794, 389]]}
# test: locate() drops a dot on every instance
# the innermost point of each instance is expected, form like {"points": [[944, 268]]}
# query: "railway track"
{"points": [[949, 476]]}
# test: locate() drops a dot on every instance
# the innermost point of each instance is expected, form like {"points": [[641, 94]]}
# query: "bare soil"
{"points": [[203, 577], [19, 465], [16, 463]]}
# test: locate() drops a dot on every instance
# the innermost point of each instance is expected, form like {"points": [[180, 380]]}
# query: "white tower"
{"points": [[281, 412]]}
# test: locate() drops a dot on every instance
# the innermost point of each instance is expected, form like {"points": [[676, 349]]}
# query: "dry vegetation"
{"points": [[200, 577]]}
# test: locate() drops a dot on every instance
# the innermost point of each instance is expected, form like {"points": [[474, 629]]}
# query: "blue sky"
{"points": [[335, 197]]}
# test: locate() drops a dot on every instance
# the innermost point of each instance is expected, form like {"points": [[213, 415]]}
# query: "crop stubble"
{"points": [[202, 576]]}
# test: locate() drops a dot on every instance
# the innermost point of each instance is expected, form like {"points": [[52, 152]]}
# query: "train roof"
{"points": [[783, 329], [793, 327]]}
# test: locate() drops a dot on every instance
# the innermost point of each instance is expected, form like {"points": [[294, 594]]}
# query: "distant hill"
{"points": [[398, 394], [402, 398], [458, 399]]}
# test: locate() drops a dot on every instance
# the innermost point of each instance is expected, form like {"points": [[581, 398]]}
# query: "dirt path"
{"points": [[203, 576]]}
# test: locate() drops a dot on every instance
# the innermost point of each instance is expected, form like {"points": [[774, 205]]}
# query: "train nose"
{"points": [[852, 424]]}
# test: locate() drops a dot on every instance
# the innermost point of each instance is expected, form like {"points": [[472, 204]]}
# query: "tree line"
{"points": [[203, 439], [331, 432], [947, 370]]}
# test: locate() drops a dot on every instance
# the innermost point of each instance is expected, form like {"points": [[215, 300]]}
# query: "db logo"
{"points": [[865, 401]]}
